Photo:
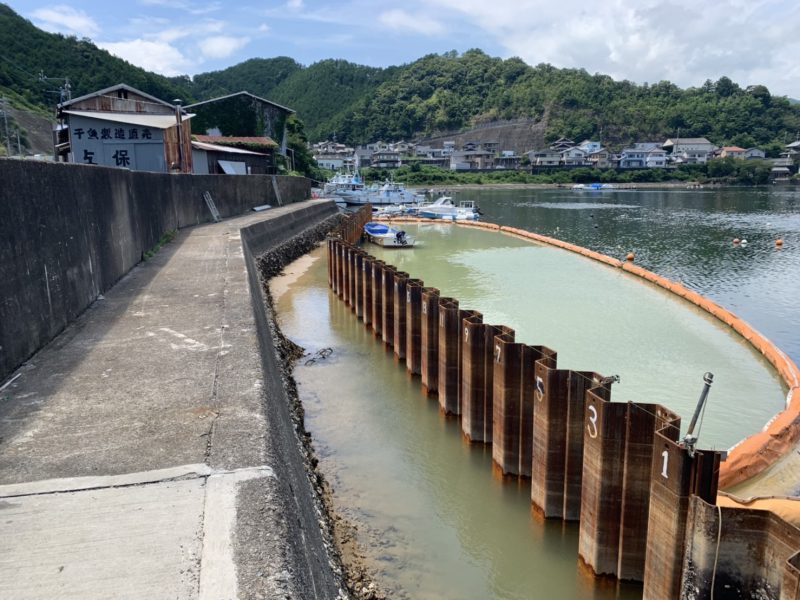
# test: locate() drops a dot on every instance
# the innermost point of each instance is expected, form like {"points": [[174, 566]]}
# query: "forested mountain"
{"points": [[27, 52], [437, 93]]}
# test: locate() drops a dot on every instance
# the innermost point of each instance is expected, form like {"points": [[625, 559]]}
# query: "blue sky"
{"points": [[684, 41]]}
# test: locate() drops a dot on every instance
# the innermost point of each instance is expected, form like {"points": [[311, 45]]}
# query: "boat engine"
{"points": [[400, 237]]}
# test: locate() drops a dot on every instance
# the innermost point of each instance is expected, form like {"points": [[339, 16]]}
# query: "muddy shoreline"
{"points": [[346, 556]]}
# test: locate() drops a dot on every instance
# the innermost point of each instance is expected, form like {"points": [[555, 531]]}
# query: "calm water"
{"points": [[685, 235], [435, 520]]}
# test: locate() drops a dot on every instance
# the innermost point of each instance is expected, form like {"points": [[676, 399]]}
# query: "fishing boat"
{"points": [[445, 208], [386, 236], [385, 194], [345, 185]]}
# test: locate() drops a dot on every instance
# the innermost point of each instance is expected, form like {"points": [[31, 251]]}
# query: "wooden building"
{"points": [[121, 126]]}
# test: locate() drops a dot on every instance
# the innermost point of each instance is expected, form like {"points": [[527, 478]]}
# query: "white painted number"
{"points": [[592, 426], [466, 334], [539, 389], [665, 454], [424, 309], [497, 353], [408, 296]]}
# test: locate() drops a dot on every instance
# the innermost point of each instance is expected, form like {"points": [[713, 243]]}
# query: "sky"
{"points": [[683, 41]]}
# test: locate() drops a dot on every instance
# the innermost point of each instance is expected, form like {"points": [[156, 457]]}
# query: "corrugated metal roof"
{"points": [[217, 148], [142, 120], [114, 88]]}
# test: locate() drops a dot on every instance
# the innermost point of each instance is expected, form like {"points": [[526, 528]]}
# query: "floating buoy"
{"points": [[744, 242], [779, 243], [735, 241], [630, 256]]}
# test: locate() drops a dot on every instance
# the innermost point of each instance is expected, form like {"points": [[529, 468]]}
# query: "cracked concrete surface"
{"points": [[162, 373]]}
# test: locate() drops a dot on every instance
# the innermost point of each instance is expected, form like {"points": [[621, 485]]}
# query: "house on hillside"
{"points": [[590, 146], [643, 155], [754, 154], [471, 160], [688, 150], [600, 158], [242, 115], [362, 157], [544, 157], [573, 157], [731, 152], [507, 159], [121, 126], [386, 159], [562, 144]]}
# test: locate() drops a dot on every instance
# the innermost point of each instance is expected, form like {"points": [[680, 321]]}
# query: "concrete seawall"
{"points": [[152, 449], [69, 232]]}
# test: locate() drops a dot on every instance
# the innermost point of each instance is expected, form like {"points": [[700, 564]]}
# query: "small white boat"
{"points": [[445, 208], [594, 187], [386, 236]]}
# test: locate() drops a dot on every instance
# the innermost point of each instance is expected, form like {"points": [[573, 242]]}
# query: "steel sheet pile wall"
{"points": [[739, 553], [617, 468]]}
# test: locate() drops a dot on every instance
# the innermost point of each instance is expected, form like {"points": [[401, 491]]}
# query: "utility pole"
{"points": [[4, 102], [19, 145], [178, 118]]}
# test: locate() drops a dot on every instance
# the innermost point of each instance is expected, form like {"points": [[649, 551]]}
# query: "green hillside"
{"points": [[437, 93], [26, 52]]}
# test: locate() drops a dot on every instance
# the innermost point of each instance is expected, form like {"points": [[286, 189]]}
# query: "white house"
{"points": [[643, 155], [689, 150], [590, 147], [544, 158], [573, 156], [755, 154]]}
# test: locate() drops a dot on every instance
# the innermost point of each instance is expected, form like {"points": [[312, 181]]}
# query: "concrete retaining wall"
{"points": [[69, 232], [268, 246]]}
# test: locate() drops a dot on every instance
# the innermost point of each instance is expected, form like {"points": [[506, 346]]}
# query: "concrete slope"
{"points": [[140, 452]]}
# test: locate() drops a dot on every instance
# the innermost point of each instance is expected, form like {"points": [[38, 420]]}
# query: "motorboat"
{"points": [[594, 186], [385, 194], [445, 208], [388, 237], [345, 185]]}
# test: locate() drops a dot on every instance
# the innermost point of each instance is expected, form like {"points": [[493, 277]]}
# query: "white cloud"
{"points": [[417, 23], [684, 41], [65, 19], [172, 34], [263, 28], [152, 55], [187, 6], [294, 4], [222, 46]]}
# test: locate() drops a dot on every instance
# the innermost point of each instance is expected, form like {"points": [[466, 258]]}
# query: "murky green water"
{"points": [[685, 235], [435, 520]]}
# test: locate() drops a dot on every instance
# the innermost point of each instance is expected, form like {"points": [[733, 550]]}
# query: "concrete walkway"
{"points": [[135, 459]]}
